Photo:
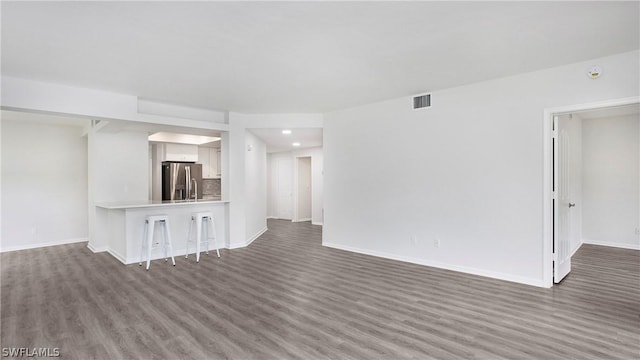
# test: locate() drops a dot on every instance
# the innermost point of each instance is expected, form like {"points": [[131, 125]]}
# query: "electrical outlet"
{"points": [[414, 240], [637, 231], [436, 242], [34, 231]]}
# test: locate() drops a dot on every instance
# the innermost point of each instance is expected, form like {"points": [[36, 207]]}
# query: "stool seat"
{"points": [[203, 221], [149, 226], [150, 218]]}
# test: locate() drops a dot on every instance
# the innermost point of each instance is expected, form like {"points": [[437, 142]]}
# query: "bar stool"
{"points": [[202, 220], [149, 225]]}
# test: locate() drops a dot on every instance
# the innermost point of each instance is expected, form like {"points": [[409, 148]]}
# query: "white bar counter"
{"points": [[120, 226]]}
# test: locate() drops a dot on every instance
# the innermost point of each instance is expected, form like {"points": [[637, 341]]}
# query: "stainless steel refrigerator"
{"points": [[181, 181]]}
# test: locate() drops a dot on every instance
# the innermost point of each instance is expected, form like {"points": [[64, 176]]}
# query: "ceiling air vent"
{"points": [[421, 101]]}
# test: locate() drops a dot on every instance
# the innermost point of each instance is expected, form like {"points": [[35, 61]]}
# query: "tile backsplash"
{"points": [[211, 187]]}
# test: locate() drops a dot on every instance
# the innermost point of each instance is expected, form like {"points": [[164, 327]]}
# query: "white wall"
{"points": [[255, 186], [317, 181], [465, 174], [233, 189], [269, 186], [121, 166], [283, 170], [118, 172], [1, 184], [156, 157], [611, 181], [44, 185], [245, 183]]}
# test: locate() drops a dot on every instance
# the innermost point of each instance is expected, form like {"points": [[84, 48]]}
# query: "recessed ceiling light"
{"points": [[296, 144], [286, 131]]}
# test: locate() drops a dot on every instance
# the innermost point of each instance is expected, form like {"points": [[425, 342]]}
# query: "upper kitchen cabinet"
{"points": [[180, 152], [210, 160]]}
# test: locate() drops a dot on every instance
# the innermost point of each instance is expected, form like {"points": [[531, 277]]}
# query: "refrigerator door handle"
{"points": [[174, 180], [187, 182]]}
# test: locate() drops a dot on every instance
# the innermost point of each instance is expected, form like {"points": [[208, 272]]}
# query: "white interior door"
{"points": [[562, 203], [284, 188], [303, 210]]}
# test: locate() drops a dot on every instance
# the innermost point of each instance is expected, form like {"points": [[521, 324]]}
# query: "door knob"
{"points": [[571, 205]]}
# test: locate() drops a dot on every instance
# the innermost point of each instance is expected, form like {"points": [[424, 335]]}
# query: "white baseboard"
{"points": [[463, 269], [316, 223], [256, 235], [577, 248], [42, 244], [117, 255], [250, 240], [96, 249], [612, 244]]}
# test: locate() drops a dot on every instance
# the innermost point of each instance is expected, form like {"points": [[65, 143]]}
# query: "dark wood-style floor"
{"points": [[287, 297]]}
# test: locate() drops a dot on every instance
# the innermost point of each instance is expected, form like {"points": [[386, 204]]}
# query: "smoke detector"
{"points": [[594, 72]]}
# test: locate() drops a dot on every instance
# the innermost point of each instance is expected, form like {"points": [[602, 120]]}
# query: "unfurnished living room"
{"points": [[320, 180]]}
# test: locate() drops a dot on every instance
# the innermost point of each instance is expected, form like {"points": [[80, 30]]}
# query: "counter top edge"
{"points": [[140, 204]]}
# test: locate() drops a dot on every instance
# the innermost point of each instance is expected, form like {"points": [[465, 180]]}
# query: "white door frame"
{"points": [[547, 193]]}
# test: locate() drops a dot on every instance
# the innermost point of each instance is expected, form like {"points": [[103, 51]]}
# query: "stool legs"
{"points": [[205, 228], [214, 235], [198, 237], [167, 243], [144, 239], [202, 224], [149, 243], [147, 238], [164, 240], [197, 221], [186, 254]]}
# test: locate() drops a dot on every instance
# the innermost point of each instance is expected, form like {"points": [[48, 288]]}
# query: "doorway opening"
{"points": [[583, 168], [294, 173]]}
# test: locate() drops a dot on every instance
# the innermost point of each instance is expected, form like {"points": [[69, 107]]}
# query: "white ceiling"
{"points": [[266, 57], [277, 141]]}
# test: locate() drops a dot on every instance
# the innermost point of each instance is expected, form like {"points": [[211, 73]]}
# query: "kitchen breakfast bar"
{"points": [[120, 226]]}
